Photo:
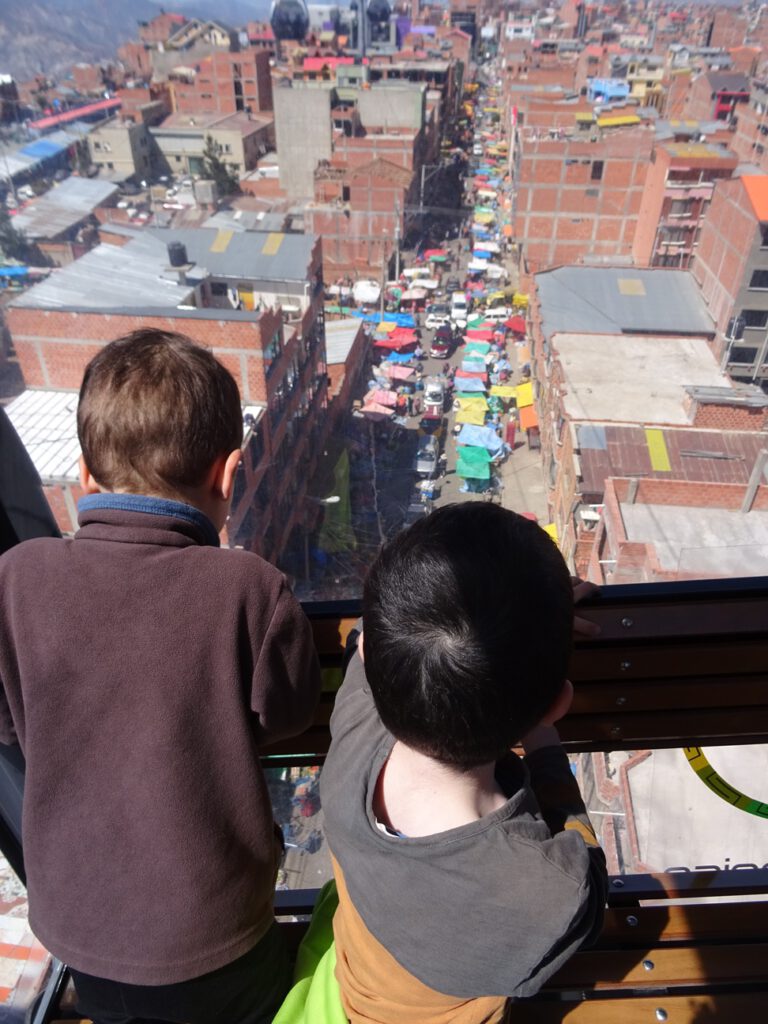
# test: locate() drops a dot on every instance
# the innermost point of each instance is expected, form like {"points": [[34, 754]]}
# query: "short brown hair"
{"points": [[155, 412]]}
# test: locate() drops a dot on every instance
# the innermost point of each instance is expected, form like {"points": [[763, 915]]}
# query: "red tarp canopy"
{"points": [[435, 252], [516, 324], [476, 334], [472, 376], [400, 338]]}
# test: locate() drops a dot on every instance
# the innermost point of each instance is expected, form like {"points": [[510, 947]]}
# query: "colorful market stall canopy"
{"points": [[366, 291], [528, 418], [385, 327], [380, 396], [473, 365], [481, 348], [481, 334], [400, 319], [469, 374], [481, 254], [395, 372], [524, 394], [473, 463], [516, 324], [488, 246], [400, 357], [414, 295], [471, 385], [480, 437], [504, 390], [376, 411]]}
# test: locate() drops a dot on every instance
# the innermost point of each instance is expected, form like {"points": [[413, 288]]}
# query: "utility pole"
{"points": [[397, 239]]}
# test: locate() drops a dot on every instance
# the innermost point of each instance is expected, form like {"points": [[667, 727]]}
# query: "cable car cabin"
{"points": [[671, 705]]}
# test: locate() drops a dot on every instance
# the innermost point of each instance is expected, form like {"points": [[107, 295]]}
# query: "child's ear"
{"points": [[226, 469], [87, 482]]}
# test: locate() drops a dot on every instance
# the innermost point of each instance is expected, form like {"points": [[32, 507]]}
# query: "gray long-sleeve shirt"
{"points": [[491, 908]]}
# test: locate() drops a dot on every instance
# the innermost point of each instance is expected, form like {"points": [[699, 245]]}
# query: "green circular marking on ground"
{"points": [[714, 781]]}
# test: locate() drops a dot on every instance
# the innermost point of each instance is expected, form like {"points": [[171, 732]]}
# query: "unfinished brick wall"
{"points": [[729, 417]]}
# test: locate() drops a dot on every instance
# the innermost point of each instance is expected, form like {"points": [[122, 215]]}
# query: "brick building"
{"points": [[731, 267], [750, 140], [677, 193], [616, 347], [578, 198], [657, 530], [225, 83], [254, 298], [160, 28], [717, 96]]}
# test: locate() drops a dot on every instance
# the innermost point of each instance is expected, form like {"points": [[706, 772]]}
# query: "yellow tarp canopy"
{"points": [[524, 394], [520, 300], [617, 122], [386, 326], [475, 416], [504, 390]]}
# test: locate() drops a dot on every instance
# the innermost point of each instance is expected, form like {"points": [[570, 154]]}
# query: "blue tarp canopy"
{"points": [[482, 236], [473, 365], [42, 149], [401, 319], [481, 254], [14, 271], [471, 384], [480, 437], [400, 357]]}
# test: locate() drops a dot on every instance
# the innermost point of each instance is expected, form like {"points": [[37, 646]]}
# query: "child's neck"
{"points": [[419, 796]]}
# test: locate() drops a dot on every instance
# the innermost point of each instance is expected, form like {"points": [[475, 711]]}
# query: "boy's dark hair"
{"points": [[467, 618], [155, 412]]}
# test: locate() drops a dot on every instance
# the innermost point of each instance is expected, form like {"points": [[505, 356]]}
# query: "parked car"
{"points": [[459, 309], [438, 313], [452, 283], [442, 343], [425, 462]]}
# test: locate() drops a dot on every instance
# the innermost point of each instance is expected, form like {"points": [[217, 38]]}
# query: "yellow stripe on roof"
{"points": [[221, 241], [616, 122], [272, 244], [657, 449]]}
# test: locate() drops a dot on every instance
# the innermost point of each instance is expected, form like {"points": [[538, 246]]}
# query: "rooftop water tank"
{"points": [[177, 254]]}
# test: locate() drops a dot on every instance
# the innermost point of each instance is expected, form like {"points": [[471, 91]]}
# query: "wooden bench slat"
{"points": [[625, 696], [684, 727], [695, 922], [725, 1008], [676, 659], [743, 963]]}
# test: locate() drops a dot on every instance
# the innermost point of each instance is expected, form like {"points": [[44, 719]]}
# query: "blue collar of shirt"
{"points": [[154, 507]]}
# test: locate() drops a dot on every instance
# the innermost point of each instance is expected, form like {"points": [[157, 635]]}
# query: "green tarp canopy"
{"points": [[474, 463]]}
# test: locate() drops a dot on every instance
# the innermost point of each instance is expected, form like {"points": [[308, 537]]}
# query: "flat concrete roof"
{"points": [[706, 542], [250, 255], [621, 300], [623, 378], [682, 824]]}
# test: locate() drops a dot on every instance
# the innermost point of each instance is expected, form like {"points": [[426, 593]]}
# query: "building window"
{"points": [[680, 207], [755, 317], [764, 236], [345, 193], [597, 170], [743, 355], [759, 279]]}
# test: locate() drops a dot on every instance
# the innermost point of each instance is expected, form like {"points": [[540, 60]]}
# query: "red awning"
{"points": [[516, 324], [435, 252], [477, 334], [473, 376]]}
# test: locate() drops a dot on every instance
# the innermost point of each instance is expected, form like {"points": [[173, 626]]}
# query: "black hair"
{"points": [[467, 619]]}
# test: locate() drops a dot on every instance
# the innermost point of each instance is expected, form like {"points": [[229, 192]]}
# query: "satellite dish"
{"points": [[289, 19]]}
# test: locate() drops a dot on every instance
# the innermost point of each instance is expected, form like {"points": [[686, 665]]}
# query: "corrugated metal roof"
{"points": [[339, 338], [621, 300], [132, 276], [712, 456], [249, 255], [46, 423], [42, 149], [63, 207]]}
